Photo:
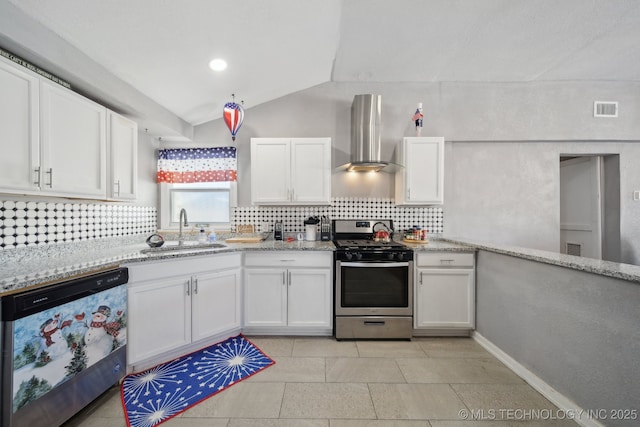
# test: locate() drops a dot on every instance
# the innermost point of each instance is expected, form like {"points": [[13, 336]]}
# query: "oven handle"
{"points": [[374, 264]]}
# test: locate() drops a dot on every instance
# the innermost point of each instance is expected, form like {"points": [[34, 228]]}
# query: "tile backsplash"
{"points": [[292, 217], [29, 223]]}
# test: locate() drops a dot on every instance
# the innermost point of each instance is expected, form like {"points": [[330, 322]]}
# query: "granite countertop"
{"points": [[439, 245], [42, 265], [605, 268]]}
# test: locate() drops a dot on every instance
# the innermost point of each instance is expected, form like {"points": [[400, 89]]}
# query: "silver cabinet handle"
{"points": [[289, 278], [421, 277], [116, 187], [446, 261], [37, 172], [195, 286], [284, 278], [50, 173], [187, 285]]}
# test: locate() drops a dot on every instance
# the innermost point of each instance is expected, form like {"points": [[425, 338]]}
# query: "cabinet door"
{"points": [[270, 171], [311, 170], [123, 156], [159, 317], [19, 140], [215, 303], [73, 136], [422, 179], [309, 297], [265, 297], [445, 298]]}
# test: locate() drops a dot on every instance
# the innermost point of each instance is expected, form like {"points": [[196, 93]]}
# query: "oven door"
{"points": [[374, 288]]}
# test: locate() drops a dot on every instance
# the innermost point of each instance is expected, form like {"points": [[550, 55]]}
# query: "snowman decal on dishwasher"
{"points": [[52, 340], [102, 337]]}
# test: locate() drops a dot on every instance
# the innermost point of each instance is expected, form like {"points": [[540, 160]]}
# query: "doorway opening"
{"points": [[590, 206]]}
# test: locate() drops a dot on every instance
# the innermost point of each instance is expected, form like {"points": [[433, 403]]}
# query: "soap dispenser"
{"points": [[202, 237]]}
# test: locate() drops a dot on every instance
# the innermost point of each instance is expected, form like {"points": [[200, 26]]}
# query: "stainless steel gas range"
{"points": [[373, 281]]}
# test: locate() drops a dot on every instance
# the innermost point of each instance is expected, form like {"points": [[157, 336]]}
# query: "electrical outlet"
{"points": [[636, 195]]}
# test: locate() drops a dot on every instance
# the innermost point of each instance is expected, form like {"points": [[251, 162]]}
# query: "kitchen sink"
{"points": [[174, 246]]}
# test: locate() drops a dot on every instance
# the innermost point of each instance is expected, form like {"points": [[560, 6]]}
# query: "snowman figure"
{"points": [[99, 337], [51, 339]]}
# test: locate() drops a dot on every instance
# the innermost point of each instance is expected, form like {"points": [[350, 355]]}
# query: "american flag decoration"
{"points": [[233, 116], [186, 165], [417, 118]]}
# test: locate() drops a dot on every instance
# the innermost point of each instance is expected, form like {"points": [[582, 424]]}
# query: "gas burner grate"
{"points": [[363, 244]]}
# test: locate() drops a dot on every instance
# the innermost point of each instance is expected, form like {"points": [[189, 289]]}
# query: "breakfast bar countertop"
{"points": [[616, 270]]}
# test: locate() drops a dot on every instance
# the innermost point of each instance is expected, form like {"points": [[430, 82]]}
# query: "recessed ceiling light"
{"points": [[218, 64]]}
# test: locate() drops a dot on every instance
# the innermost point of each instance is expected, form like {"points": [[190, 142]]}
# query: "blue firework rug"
{"points": [[164, 391]]}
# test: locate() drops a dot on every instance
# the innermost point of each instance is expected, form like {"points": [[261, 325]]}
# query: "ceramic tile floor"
{"points": [[320, 382]]}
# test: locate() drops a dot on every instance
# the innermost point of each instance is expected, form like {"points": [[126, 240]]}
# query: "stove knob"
{"points": [[358, 256], [390, 255], [348, 255]]}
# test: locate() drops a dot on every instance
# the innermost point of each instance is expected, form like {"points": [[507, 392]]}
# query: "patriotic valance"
{"points": [[183, 165]]}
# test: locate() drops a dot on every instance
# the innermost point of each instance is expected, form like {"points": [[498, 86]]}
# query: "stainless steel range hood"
{"points": [[365, 134]]}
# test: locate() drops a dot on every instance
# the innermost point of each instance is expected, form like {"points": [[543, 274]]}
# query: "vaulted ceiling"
{"points": [[162, 48]]}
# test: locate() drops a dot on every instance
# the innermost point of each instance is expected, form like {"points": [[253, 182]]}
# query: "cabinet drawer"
{"points": [[288, 259], [139, 272], [445, 259]]}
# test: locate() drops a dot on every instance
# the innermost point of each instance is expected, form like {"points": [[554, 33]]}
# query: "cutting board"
{"points": [[245, 239], [415, 242]]}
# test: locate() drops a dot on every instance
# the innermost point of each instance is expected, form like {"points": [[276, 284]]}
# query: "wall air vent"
{"points": [[574, 249], [605, 109]]}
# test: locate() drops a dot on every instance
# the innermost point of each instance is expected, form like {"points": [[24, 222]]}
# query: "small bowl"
{"points": [[155, 241]]}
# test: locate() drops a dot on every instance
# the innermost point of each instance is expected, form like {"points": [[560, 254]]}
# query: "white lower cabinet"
{"points": [[159, 317], [215, 303], [288, 292], [444, 292], [177, 306]]}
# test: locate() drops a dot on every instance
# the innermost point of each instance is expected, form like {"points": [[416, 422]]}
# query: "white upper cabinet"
{"points": [[311, 171], [290, 171], [270, 171], [123, 156], [74, 143], [421, 181], [56, 142], [19, 139]]}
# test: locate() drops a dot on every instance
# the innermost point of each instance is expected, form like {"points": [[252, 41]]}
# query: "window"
{"points": [[207, 203]]}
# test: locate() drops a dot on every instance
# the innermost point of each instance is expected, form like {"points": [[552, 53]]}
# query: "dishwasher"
{"points": [[63, 345]]}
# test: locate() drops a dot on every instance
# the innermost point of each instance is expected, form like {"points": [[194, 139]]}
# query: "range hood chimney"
{"points": [[365, 134]]}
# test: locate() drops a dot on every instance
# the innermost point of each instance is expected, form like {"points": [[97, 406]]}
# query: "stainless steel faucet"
{"points": [[183, 213]]}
